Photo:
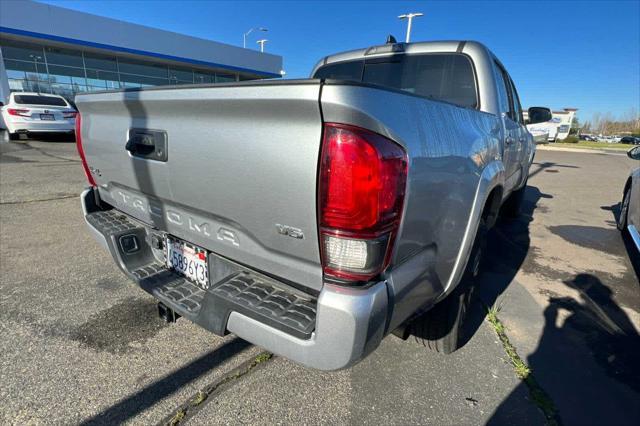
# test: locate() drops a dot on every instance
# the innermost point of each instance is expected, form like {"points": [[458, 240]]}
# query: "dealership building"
{"points": [[50, 49]]}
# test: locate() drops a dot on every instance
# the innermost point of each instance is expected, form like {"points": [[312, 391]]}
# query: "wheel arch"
{"points": [[492, 206], [489, 190]]}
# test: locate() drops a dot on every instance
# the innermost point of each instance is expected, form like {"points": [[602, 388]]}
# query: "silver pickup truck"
{"points": [[312, 217]]}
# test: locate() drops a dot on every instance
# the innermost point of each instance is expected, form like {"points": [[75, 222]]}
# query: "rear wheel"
{"points": [[440, 329], [624, 209]]}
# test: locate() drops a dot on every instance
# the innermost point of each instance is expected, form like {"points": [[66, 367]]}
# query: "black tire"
{"points": [[6, 136], [440, 329], [621, 223], [513, 204]]}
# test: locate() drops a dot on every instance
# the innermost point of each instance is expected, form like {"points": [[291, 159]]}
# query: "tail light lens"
{"points": [[85, 166], [19, 112], [69, 114], [361, 193]]}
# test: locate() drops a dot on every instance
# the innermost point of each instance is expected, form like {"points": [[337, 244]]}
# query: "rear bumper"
{"points": [[344, 324], [40, 126]]}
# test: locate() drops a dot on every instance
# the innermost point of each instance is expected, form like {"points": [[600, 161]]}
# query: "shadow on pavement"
{"points": [[587, 357], [51, 137], [507, 247], [153, 393], [549, 166]]}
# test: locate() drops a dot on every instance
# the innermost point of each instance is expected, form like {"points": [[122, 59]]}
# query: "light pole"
{"points": [[409, 17], [261, 43], [244, 36], [35, 86], [35, 61]]}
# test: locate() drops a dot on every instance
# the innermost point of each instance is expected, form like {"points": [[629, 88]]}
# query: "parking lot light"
{"points": [[409, 17], [244, 36]]}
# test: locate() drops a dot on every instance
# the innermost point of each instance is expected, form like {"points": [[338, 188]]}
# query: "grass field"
{"points": [[595, 145]]}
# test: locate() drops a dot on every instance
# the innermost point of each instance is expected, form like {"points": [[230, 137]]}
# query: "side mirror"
{"points": [[539, 115], [634, 153]]}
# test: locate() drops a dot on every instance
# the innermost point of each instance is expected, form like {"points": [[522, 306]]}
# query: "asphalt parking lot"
{"points": [[81, 344]]}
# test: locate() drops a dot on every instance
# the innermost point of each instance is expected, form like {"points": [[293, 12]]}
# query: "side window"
{"points": [[516, 103], [502, 90]]}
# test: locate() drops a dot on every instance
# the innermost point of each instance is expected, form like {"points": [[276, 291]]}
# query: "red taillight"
{"points": [[85, 166], [362, 185], [69, 114], [19, 112]]}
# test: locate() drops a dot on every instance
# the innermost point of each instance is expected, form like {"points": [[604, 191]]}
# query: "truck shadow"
{"points": [[136, 403], [508, 244]]}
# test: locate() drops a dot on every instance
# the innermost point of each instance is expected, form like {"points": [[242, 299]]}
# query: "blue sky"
{"points": [[583, 54]]}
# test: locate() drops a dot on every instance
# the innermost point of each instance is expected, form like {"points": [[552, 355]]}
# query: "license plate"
{"points": [[48, 117], [188, 260]]}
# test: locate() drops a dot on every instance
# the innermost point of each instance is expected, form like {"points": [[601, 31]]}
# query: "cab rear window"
{"points": [[39, 100], [444, 77]]}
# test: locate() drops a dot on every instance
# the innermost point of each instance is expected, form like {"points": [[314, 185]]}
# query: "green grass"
{"points": [[177, 418], [595, 145], [522, 370], [198, 399], [264, 356]]}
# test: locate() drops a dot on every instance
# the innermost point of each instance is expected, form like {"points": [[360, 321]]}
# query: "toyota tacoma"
{"points": [[312, 217]]}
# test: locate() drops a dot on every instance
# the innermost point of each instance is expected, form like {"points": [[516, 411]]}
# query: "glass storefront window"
{"points": [[181, 75], [36, 76], [22, 51], [40, 86], [69, 71], [225, 78], [62, 74], [66, 57], [19, 65], [65, 71], [103, 79], [56, 78], [100, 62], [150, 81], [201, 78], [16, 75], [19, 85], [131, 66], [65, 90], [128, 84]]}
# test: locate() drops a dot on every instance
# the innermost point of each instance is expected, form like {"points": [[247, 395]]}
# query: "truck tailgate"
{"points": [[240, 172]]}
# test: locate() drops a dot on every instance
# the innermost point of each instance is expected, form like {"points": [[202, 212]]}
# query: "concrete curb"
{"points": [[580, 150]]}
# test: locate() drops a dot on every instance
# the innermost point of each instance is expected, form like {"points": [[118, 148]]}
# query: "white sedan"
{"points": [[29, 113]]}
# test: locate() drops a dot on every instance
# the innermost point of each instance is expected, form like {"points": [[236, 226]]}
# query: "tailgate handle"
{"points": [[140, 143], [148, 144]]}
